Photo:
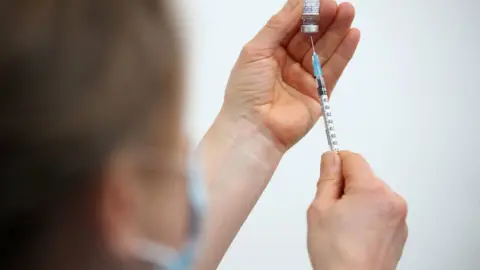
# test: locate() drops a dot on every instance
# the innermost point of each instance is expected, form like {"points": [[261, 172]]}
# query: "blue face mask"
{"points": [[164, 257]]}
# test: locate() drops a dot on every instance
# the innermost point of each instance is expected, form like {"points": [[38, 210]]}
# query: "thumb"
{"points": [[330, 185], [279, 26]]}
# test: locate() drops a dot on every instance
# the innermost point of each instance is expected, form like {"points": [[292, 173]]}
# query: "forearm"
{"points": [[239, 161]]}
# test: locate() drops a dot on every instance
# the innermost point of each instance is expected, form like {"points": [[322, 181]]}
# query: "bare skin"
{"points": [[355, 221], [270, 104]]}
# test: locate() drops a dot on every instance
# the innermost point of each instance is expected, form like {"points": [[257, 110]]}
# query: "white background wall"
{"points": [[408, 102]]}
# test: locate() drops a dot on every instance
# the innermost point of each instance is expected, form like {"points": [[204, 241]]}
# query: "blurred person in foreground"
{"points": [[95, 173]]}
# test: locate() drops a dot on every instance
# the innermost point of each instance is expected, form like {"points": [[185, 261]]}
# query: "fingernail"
{"points": [[330, 162]]}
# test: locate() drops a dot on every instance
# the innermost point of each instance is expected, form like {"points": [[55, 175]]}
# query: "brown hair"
{"points": [[75, 77]]}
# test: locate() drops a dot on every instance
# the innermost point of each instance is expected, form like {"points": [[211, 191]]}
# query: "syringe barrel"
{"points": [[310, 16]]}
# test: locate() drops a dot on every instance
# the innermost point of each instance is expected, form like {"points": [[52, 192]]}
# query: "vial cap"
{"points": [[310, 28]]}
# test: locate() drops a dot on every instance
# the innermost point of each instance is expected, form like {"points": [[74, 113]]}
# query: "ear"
{"points": [[117, 208]]}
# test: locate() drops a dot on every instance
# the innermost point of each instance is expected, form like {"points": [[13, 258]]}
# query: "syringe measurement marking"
{"points": [[327, 115]]}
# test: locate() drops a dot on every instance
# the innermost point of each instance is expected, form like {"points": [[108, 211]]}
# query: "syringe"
{"points": [[324, 102]]}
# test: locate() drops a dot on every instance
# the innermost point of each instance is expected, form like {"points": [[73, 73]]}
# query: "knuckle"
{"points": [[335, 73], [386, 206], [312, 211], [275, 21], [251, 52], [248, 50], [391, 205], [315, 212], [326, 179], [400, 206], [379, 189]]}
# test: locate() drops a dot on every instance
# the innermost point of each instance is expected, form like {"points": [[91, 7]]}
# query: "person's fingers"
{"points": [[300, 44], [334, 67], [293, 33], [330, 185], [333, 37], [295, 76], [275, 31], [357, 172]]}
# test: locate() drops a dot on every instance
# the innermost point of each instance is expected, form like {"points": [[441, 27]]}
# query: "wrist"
{"points": [[248, 128], [341, 266], [233, 137], [238, 163]]}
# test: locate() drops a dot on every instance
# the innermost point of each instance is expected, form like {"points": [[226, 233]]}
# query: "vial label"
{"points": [[311, 7]]}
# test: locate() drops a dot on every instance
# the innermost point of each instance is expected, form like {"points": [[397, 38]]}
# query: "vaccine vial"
{"points": [[310, 15]]}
